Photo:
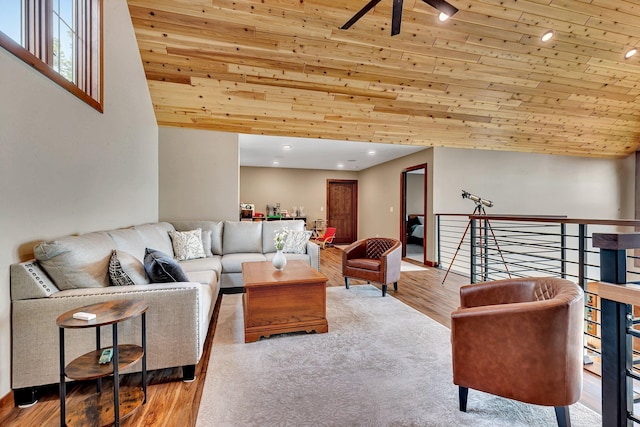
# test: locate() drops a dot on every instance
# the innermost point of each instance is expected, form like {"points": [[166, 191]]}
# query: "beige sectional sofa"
{"points": [[73, 271]]}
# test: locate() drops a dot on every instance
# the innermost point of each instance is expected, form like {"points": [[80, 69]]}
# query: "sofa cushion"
{"points": [[202, 264], [296, 242], [125, 269], [242, 237], [130, 241], [206, 242], [232, 263], [207, 277], [216, 227], [187, 244], [365, 263], [270, 228], [156, 236], [77, 261], [162, 268]]}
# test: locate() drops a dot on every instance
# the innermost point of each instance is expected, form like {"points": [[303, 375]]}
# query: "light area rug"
{"points": [[382, 363]]}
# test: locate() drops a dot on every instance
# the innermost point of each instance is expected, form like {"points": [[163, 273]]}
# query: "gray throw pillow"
{"points": [[162, 268]]}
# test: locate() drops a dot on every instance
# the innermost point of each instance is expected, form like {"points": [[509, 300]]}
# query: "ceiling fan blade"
{"points": [[360, 14], [396, 18], [442, 6]]}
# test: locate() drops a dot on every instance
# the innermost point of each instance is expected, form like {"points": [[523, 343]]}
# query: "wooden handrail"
{"points": [[551, 218], [626, 294]]}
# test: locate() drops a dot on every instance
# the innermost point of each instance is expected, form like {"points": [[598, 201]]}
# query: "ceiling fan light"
{"points": [[547, 36], [443, 17], [630, 53]]}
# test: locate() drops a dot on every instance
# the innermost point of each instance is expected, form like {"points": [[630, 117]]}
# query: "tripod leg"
{"points": [[498, 248], [456, 252]]}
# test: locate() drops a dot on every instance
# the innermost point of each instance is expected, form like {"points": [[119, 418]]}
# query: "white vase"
{"points": [[279, 260]]}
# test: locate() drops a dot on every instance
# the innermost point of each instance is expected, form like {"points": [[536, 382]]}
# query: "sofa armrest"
{"points": [[29, 280], [173, 329], [313, 250]]}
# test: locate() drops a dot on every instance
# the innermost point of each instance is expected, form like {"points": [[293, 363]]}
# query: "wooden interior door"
{"points": [[342, 209]]}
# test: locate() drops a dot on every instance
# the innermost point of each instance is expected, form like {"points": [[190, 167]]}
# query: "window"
{"points": [[60, 38]]}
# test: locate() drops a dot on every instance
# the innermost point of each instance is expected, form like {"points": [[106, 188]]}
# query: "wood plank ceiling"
{"points": [[481, 80]]}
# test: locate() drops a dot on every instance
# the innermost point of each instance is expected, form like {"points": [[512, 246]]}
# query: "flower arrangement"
{"points": [[279, 238]]}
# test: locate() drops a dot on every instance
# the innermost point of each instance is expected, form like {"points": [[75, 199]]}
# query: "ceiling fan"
{"points": [[446, 11]]}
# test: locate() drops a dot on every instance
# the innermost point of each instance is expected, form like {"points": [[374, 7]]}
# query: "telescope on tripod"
{"points": [[482, 240], [477, 199]]}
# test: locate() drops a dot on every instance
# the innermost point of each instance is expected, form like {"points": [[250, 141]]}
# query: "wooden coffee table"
{"points": [[277, 302]]}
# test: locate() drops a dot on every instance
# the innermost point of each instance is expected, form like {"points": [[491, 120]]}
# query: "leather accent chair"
{"points": [[520, 339], [376, 259]]}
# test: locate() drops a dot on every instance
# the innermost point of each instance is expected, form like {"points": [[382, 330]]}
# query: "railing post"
{"points": [[474, 234], [485, 249], [582, 255], [438, 240], [563, 250], [617, 319]]}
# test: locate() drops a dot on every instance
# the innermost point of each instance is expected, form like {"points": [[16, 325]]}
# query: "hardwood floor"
{"points": [[171, 402]]}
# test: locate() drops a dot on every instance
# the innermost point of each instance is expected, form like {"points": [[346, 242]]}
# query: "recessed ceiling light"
{"points": [[547, 36], [286, 147], [443, 16], [340, 165], [275, 163], [630, 53], [371, 152]]}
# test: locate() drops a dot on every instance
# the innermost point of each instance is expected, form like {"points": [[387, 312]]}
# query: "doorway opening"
{"points": [[413, 216]]}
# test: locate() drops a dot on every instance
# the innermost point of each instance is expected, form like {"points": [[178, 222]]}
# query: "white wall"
{"points": [[517, 183], [199, 174], [65, 168], [415, 193], [534, 184], [379, 197]]}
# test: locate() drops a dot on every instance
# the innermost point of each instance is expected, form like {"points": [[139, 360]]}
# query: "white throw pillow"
{"points": [[187, 244], [296, 242]]}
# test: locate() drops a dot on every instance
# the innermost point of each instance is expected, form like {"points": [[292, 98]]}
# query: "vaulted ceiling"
{"points": [[483, 79]]}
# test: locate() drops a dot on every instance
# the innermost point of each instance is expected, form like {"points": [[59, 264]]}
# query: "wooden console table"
{"points": [[104, 409], [290, 300]]}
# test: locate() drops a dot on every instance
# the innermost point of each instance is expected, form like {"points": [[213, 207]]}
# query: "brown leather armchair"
{"points": [[520, 339], [377, 259]]}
